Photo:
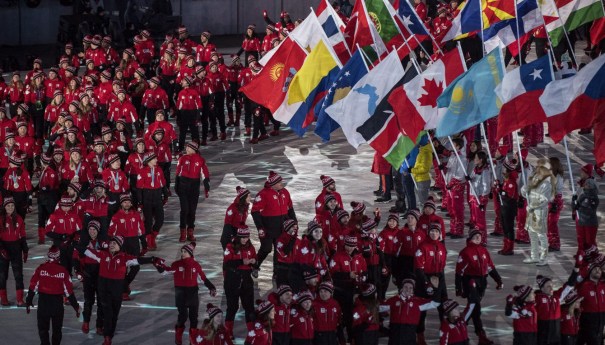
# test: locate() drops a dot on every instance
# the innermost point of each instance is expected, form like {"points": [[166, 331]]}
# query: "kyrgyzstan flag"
{"points": [[269, 87], [519, 93]]}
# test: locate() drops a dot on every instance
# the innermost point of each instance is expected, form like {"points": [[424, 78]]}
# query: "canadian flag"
{"points": [[415, 104]]}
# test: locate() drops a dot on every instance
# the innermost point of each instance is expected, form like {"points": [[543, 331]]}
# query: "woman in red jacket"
{"points": [[251, 44], [453, 326], [186, 272], [34, 97], [409, 239], [261, 333], [327, 315], [236, 215], [570, 318], [301, 320], [238, 261], [13, 250], [365, 317], [522, 309], [213, 331]]}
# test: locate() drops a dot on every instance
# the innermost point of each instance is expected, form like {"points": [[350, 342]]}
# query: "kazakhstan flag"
{"points": [[470, 99]]}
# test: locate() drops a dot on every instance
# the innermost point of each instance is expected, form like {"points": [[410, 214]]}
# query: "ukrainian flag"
{"points": [[470, 99], [310, 85]]}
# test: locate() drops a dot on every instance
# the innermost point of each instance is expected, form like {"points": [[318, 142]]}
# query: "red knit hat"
{"points": [[449, 306], [351, 241], [54, 253], [328, 286], [522, 291], [542, 280], [241, 192], [243, 231], [358, 207], [326, 180], [369, 290], [273, 178], [189, 248], [212, 310], [263, 307]]}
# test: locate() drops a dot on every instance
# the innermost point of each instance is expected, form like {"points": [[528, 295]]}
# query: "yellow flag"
{"points": [[316, 66]]}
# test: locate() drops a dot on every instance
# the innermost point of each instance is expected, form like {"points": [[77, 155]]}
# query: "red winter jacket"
{"points": [[126, 224], [406, 311], [327, 315], [112, 266], [474, 260], [187, 272], [272, 203], [431, 257], [453, 333], [282, 314], [409, 241], [192, 167], [52, 279], [151, 179], [302, 324], [594, 296]]}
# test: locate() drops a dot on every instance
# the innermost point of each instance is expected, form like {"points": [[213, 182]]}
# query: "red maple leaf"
{"points": [[433, 90]]}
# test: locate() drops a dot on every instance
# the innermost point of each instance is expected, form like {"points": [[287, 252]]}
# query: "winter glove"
{"points": [[554, 208], [79, 276], [442, 166], [521, 203], [29, 209], [4, 254], [468, 178], [24, 255], [261, 234], [510, 299], [140, 208], [579, 260], [385, 271], [499, 285], [367, 251], [490, 196], [574, 215], [377, 213], [481, 208], [206, 186]]}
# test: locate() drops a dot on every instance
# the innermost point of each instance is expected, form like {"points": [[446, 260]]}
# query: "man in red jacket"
{"points": [[51, 281], [128, 224], [189, 105], [329, 187], [592, 320], [472, 268], [190, 171], [327, 315], [282, 300], [271, 207], [153, 194], [154, 99]]}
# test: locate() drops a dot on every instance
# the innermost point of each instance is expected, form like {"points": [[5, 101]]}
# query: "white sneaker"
{"points": [[542, 262], [530, 261]]}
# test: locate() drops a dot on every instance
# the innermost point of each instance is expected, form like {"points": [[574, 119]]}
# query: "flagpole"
{"points": [[386, 3], [365, 55], [462, 165], [571, 181], [425, 28], [520, 158], [573, 54], [519, 54], [410, 172], [481, 31], [438, 163]]}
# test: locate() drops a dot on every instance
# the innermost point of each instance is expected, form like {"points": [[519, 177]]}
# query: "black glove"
{"points": [[574, 198], [466, 177], [442, 166], [521, 203], [207, 184], [554, 208], [482, 208], [490, 196]]}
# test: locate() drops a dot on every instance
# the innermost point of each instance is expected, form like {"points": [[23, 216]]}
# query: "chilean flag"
{"points": [[576, 102], [519, 93]]}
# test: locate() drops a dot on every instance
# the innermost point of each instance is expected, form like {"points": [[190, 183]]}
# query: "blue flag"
{"points": [[470, 99], [340, 86], [411, 19]]}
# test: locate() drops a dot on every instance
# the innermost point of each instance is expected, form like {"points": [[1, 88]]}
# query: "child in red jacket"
{"points": [[453, 327]]}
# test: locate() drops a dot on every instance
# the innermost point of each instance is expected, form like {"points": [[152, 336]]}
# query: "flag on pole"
{"points": [[382, 130], [411, 20], [519, 93], [416, 102], [269, 87], [340, 86], [360, 32], [334, 27], [505, 33], [470, 99], [310, 84], [468, 19], [383, 21], [597, 31], [574, 102], [561, 15], [357, 107]]}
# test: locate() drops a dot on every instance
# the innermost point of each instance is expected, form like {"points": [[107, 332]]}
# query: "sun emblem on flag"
{"points": [[375, 20], [276, 70], [460, 100]]}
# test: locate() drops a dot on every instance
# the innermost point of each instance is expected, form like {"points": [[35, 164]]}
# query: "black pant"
{"points": [[239, 286], [187, 121], [247, 111], [218, 115], [50, 309], [282, 338], [110, 292], [325, 338], [366, 338], [474, 287], [229, 232], [153, 210], [232, 99], [568, 339], [91, 277], [187, 303], [189, 194], [389, 261], [591, 329], [39, 124], [402, 334], [549, 332], [343, 294], [205, 116], [259, 126], [165, 166], [524, 338], [508, 212], [16, 261]]}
